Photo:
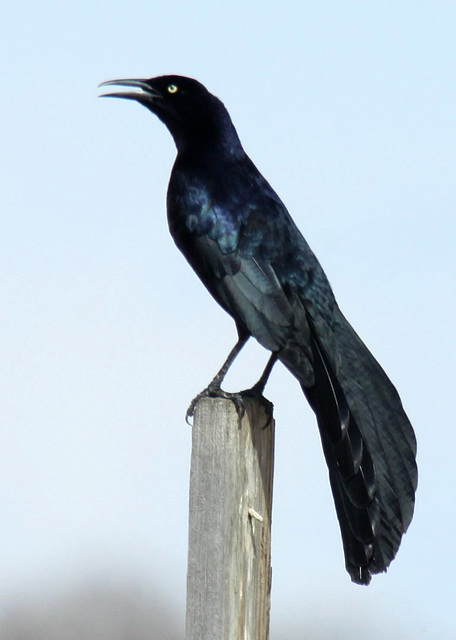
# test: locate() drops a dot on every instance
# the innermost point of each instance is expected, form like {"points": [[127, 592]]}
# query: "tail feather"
{"points": [[376, 406], [369, 448]]}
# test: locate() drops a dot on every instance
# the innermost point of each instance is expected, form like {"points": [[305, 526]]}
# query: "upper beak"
{"points": [[146, 95]]}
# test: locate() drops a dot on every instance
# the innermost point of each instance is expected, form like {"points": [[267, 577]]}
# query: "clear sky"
{"points": [[348, 108]]}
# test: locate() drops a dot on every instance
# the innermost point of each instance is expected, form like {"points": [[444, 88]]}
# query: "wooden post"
{"points": [[229, 559]]}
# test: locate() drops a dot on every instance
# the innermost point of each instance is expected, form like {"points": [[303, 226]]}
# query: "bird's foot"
{"points": [[256, 392], [214, 391]]}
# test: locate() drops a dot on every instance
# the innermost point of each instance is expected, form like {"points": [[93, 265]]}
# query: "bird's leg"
{"points": [[257, 390], [216, 382], [214, 390], [258, 387]]}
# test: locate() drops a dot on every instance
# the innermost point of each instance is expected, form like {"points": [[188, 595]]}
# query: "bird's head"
{"points": [[194, 117]]}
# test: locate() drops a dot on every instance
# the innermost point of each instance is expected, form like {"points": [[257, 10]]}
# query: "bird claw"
{"points": [[216, 392], [236, 398], [268, 406]]}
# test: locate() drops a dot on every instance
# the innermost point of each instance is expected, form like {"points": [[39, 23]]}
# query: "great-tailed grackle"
{"points": [[240, 239]]}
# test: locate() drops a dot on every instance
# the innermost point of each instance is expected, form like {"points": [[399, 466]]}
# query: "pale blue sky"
{"points": [[348, 108]]}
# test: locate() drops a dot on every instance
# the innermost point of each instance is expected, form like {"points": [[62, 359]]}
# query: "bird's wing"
{"points": [[237, 267]]}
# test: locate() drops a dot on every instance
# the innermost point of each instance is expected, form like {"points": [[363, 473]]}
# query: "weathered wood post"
{"points": [[229, 559]]}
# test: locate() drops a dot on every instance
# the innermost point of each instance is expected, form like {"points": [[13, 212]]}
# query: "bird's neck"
{"points": [[214, 135]]}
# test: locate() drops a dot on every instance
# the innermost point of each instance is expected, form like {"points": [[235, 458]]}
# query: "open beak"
{"points": [[146, 94]]}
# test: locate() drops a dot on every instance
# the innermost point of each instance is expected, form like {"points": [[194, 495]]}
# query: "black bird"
{"points": [[240, 239]]}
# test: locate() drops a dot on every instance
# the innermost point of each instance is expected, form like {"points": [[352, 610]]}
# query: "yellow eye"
{"points": [[173, 88]]}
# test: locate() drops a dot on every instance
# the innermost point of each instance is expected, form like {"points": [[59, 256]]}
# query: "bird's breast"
{"points": [[194, 211]]}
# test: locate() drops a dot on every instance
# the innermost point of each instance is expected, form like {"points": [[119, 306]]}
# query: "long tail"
{"points": [[370, 449]]}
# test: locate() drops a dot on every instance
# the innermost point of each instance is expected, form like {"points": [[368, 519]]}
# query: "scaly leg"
{"points": [[213, 389], [257, 390]]}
